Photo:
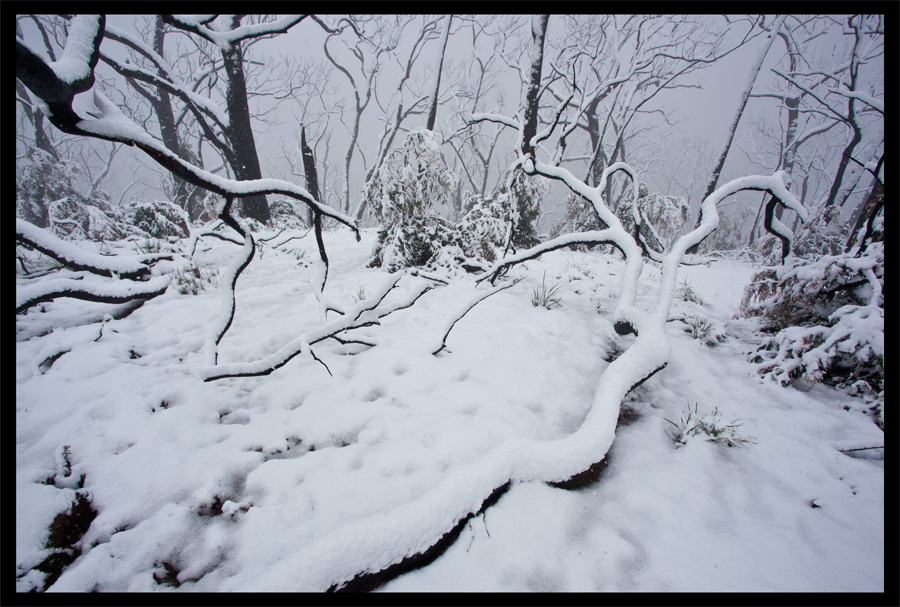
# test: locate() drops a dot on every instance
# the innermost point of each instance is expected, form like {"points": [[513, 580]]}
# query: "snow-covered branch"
{"points": [[874, 102], [229, 38], [73, 256], [88, 288]]}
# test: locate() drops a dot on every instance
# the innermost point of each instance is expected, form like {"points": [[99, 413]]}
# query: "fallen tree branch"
{"points": [[88, 289], [458, 316], [363, 314]]}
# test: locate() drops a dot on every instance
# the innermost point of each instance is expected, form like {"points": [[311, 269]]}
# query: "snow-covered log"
{"points": [[88, 288], [73, 256]]}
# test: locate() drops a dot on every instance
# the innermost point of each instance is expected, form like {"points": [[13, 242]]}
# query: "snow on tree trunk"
{"points": [[309, 167], [530, 121]]}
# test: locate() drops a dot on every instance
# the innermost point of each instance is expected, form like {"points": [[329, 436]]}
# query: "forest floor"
{"points": [[132, 474]]}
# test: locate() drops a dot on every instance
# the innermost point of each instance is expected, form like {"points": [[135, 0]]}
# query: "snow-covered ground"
{"points": [[304, 478]]}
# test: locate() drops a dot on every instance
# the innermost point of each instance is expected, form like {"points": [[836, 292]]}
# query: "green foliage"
{"points": [[46, 197], [417, 241], [700, 328], [710, 425], [411, 182], [39, 182], [729, 235], [484, 225], [686, 293], [191, 280], [544, 298], [525, 194], [150, 245], [824, 235], [285, 213], [580, 217]]}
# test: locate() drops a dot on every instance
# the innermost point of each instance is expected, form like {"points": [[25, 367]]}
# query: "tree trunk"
{"points": [[530, 121], [246, 166], [186, 195], [432, 113], [835, 196], [312, 177], [863, 212]]}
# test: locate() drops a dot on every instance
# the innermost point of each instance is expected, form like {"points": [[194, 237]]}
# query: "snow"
{"points": [[298, 480], [74, 64]]}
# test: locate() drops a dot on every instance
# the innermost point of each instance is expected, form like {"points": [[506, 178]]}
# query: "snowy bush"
{"points": [[74, 218], [827, 317], [417, 241], [40, 182], [46, 197], [662, 216], [285, 213], [403, 194], [825, 235], [580, 217], [484, 225], [729, 235], [158, 219], [525, 194]]}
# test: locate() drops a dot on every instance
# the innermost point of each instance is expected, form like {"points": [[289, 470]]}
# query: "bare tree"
{"points": [[228, 129], [867, 35], [650, 351], [56, 83]]}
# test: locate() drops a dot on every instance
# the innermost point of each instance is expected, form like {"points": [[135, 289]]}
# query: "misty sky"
{"points": [[704, 113]]}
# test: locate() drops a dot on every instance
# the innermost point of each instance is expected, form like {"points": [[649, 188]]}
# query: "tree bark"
{"points": [[309, 167], [530, 120], [240, 133], [432, 113], [185, 196]]}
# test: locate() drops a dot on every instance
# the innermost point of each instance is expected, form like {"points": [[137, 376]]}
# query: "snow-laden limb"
{"points": [[113, 125], [74, 64], [88, 288], [362, 315], [876, 103], [168, 83], [481, 116], [73, 256], [229, 38]]}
